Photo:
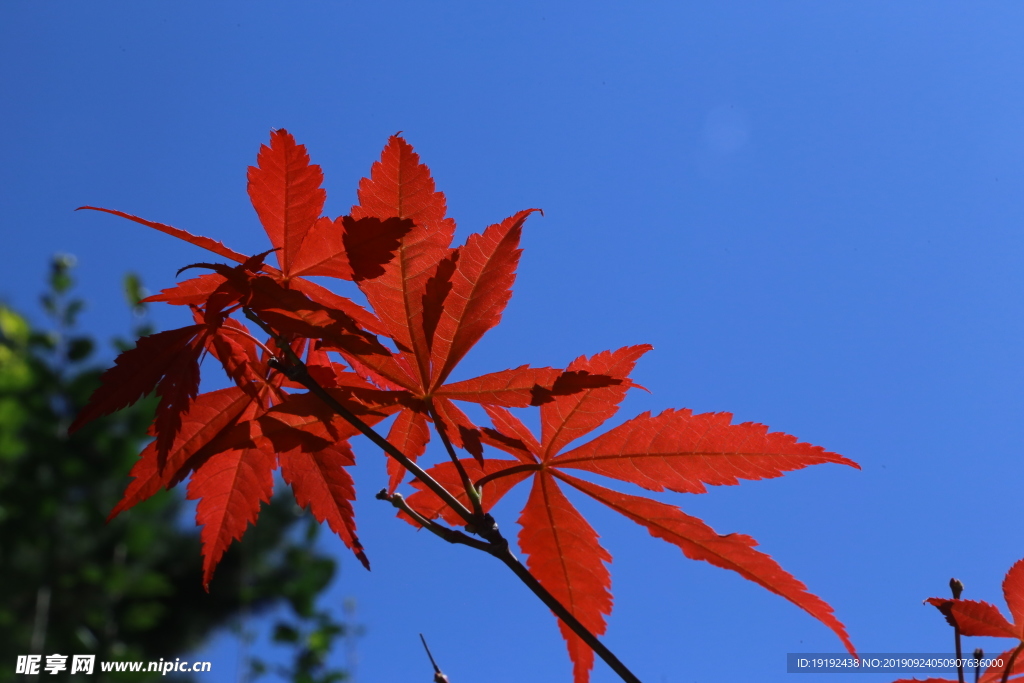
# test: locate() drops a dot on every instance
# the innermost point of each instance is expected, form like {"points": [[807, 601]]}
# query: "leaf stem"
{"points": [[250, 337], [472, 492], [515, 469]]}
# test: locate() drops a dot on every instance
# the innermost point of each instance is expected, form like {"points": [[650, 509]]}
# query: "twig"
{"points": [[438, 676], [513, 563], [481, 524], [958, 588], [450, 535]]}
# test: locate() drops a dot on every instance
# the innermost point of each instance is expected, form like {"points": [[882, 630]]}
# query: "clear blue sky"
{"points": [[813, 211]]}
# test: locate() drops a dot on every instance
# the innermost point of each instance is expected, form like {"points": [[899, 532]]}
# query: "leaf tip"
{"points": [[841, 460]]}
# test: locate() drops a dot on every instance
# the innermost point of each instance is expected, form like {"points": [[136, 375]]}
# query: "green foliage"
{"points": [[312, 641], [129, 589]]}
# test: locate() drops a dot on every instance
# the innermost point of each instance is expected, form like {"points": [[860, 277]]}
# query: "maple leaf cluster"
{"points": [[431, 302]]}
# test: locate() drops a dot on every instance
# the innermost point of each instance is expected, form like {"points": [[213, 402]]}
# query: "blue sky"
{"points": [[813, 211]]}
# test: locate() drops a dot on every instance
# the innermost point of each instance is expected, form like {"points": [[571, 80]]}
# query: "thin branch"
{"points": [[438, 676], [513, 563], [502, 551], [482, 525], [450, 535], [957, 588]]}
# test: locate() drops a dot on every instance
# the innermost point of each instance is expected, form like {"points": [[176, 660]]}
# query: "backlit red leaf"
{"points": [[138, 371], [206, 417], [434, 303], [510, 426], [230, 487], [480, 289], [563, 552], [321, 482], [510, 388], [237, 355], [204, 242], [572, 382], [191, 292], [303, 421], [285, 191], [409, 434], [385, 371], [314, 291], [1013, 593], [976, 617], [292, 312], [176, 390], [698, 541], [329, 299], [681, 451], [435, 294], [979, 618], [459, 428], [349, 249], [569, 417], [400, 186]]}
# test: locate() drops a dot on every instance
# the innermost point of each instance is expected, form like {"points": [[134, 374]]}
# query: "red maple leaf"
{"points": [[221, 439], [675, 450], [286, 192], [230, 442], [396, 246], [979, 618], [169, 363], [436, 302]]}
